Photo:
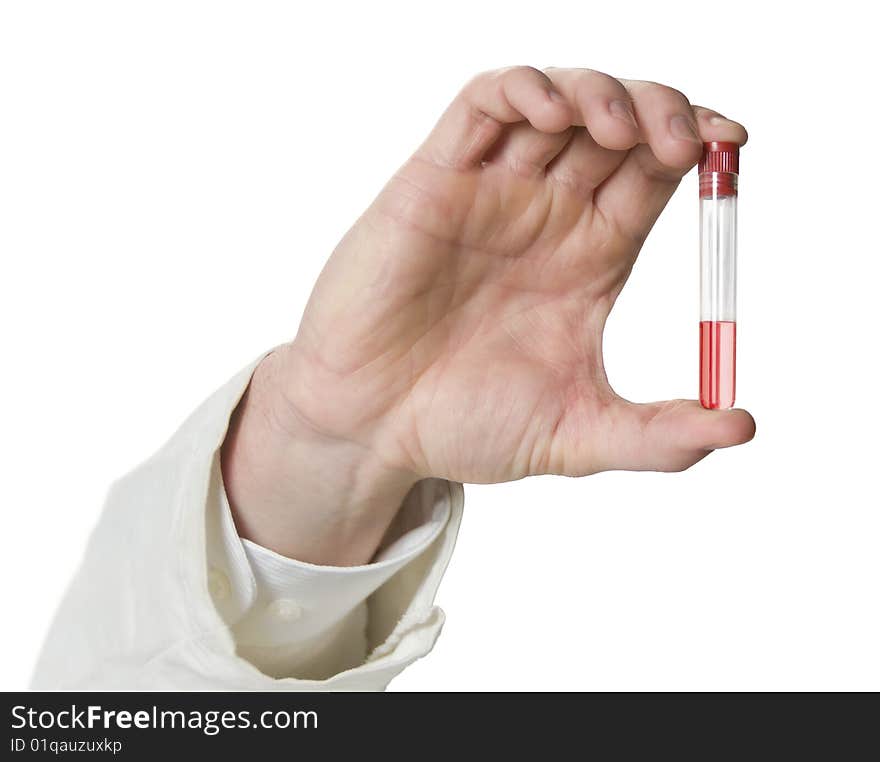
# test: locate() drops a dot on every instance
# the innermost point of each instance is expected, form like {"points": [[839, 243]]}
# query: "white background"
{"points": [[173, 175]]}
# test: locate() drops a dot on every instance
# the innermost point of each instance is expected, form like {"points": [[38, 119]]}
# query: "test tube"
{"points": [[718, 172]]}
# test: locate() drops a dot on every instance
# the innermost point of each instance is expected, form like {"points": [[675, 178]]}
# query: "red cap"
{"points": [[721, 157]]}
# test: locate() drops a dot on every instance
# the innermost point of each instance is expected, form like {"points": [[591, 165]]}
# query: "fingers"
{"points": [[546, 105], [674, 132], [602, 104], [476, 118], [602, 108], [669, 436], [668, 126], [635, 143]]}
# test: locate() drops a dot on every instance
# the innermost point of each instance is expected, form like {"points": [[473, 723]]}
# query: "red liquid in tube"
{"points": [[717, 364]]}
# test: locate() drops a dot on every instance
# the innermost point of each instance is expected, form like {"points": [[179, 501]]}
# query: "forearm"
{"points": [[319, 499]]}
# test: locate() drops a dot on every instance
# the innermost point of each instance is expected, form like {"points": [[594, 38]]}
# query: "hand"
{"points": [[456, 331]]}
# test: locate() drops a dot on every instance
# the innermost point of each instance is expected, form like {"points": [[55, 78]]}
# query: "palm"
{"points": [[465, 312], [512, 301]]}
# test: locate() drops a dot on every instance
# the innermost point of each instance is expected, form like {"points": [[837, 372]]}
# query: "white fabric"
{"points": [[169, 598], [293, 618]]}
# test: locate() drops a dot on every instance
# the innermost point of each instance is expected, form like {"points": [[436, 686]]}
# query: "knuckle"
{"points": [[657, 90], [573, 181], [606, 79], [481, 79], [525, 75], [493, 78], [476, 80], [590, 81], [670, 93], [528, 71], [510, 72]]}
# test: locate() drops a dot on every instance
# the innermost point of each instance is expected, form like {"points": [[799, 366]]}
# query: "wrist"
{"points": [[299, 491]]}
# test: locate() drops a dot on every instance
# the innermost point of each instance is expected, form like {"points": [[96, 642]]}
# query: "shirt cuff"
{"points": [[271, 601], [384, 634]]}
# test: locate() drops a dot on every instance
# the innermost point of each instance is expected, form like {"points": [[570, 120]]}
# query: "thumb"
{"points": [[670, 435]]}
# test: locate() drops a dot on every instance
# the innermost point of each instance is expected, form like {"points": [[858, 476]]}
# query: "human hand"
{"points": [[456, 331]]}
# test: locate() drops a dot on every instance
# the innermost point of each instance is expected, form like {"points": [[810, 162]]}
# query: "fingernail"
{"points": [[623, 110], [682, 128], [718, 119]]}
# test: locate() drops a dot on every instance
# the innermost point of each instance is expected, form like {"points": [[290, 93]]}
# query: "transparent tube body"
{"points": [[718, 289]]}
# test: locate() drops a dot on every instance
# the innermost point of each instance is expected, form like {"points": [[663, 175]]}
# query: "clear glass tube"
{"points": [[718, 281]]}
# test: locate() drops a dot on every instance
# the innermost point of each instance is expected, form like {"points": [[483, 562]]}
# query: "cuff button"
{"points": [[218, 584], [285, 609]]}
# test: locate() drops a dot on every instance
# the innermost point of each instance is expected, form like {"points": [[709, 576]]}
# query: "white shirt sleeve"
{"points": [[295, 619], [167, 599]]}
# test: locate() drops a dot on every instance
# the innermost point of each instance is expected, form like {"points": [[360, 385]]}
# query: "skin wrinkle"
{"points": [[534, 314], [294, 409], [489, 252], [532, 417], [572, 182], [539, 460], [455, 284], [431, 402], [529, 308], [415, 380], [519, 454], [484, 247], [430, 205], [294, 421], [658, 172], [485, 127], [410, 401], [345, 371], [571, 174], [348, 526], [533, 168], [583, 396], [527, 351]]}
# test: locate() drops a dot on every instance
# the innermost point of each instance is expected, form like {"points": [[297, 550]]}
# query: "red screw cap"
{"points": [[722, 158]]}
